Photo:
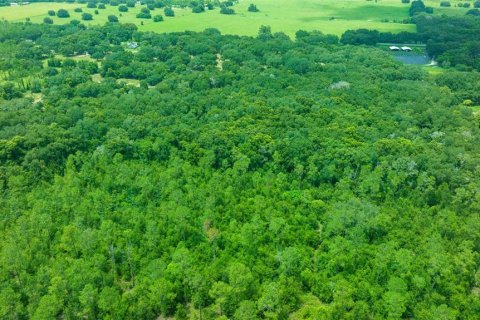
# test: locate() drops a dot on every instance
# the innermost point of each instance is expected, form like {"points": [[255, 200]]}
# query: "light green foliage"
{"points": [[207, 176]]}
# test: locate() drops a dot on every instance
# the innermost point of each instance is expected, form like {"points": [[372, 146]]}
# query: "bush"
{"points": [[158, 18], [101, 6], [143, 15], [405, 1], [123, 8], [51, 13], [169, 12], [77, 10], [91, 5], [131, 3], [226, 10], [198, 9], [445, 4], [473, 12], [252, 8], [476, 4], [112, 18], [47, 20], [416, 7], [151, 6], [87, 16], [62, 13]]}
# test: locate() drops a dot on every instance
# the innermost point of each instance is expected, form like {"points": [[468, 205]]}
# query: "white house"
{"points": [[394, 48], [408, 49]]}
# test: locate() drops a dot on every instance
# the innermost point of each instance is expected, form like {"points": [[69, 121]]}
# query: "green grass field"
{"points": [[328, 16]]}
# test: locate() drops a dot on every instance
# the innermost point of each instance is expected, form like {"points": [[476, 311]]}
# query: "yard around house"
{"points": [[328, 16]]}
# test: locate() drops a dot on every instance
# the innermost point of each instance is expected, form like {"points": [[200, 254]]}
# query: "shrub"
{"points": [[473, 12], [62, 13], [101, 6], [112, 18], [87, 16], [416, 7], [158, 18], [169, 12], [123, 8], [252, 8], [91, 5], [77, 10], [226, 10], [143, 15], [51, 13], [198, 9], [47, 20], [445, 4]]}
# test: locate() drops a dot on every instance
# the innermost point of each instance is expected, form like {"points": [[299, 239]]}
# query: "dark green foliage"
{"points": [[253, 8], [226, 10], [87, 16], [51, 13], [77, 10], [122, 8], [112, 18], [417, 7], [199, 8], [92, 5], [225, 177], [62, 13], [158, 18], [169, 12], [101, 6], [47, 20]]}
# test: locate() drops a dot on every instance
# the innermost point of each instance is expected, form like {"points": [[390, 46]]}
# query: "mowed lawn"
{"points": [[288, 16]]}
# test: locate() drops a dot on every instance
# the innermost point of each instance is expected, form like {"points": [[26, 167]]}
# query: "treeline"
{"points": [[238, 178], [132, 3]]}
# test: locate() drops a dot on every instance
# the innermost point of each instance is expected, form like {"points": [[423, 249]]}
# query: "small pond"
{"points": [[412, 58]]}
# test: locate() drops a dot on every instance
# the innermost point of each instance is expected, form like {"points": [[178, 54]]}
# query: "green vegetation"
{"points": [[202, 176]]}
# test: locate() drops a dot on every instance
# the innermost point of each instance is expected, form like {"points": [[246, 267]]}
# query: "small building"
{"points": [[13, 4], [406, 49], [132, 45], [394, 48]]}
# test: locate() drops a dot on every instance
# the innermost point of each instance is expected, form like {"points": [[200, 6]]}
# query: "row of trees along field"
{"points": [[242, 178]]}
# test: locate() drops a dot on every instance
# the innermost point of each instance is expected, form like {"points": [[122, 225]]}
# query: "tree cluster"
{"points": [[222, 177]]}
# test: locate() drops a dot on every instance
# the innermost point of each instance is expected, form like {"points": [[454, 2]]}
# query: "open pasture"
{"points": [[328, 16]]}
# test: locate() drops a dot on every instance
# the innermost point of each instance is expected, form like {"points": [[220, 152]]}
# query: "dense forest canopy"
{"points": [[202, 176]]}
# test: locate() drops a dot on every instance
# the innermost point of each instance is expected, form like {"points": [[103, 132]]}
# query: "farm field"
{"points": [[329, 16]]}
